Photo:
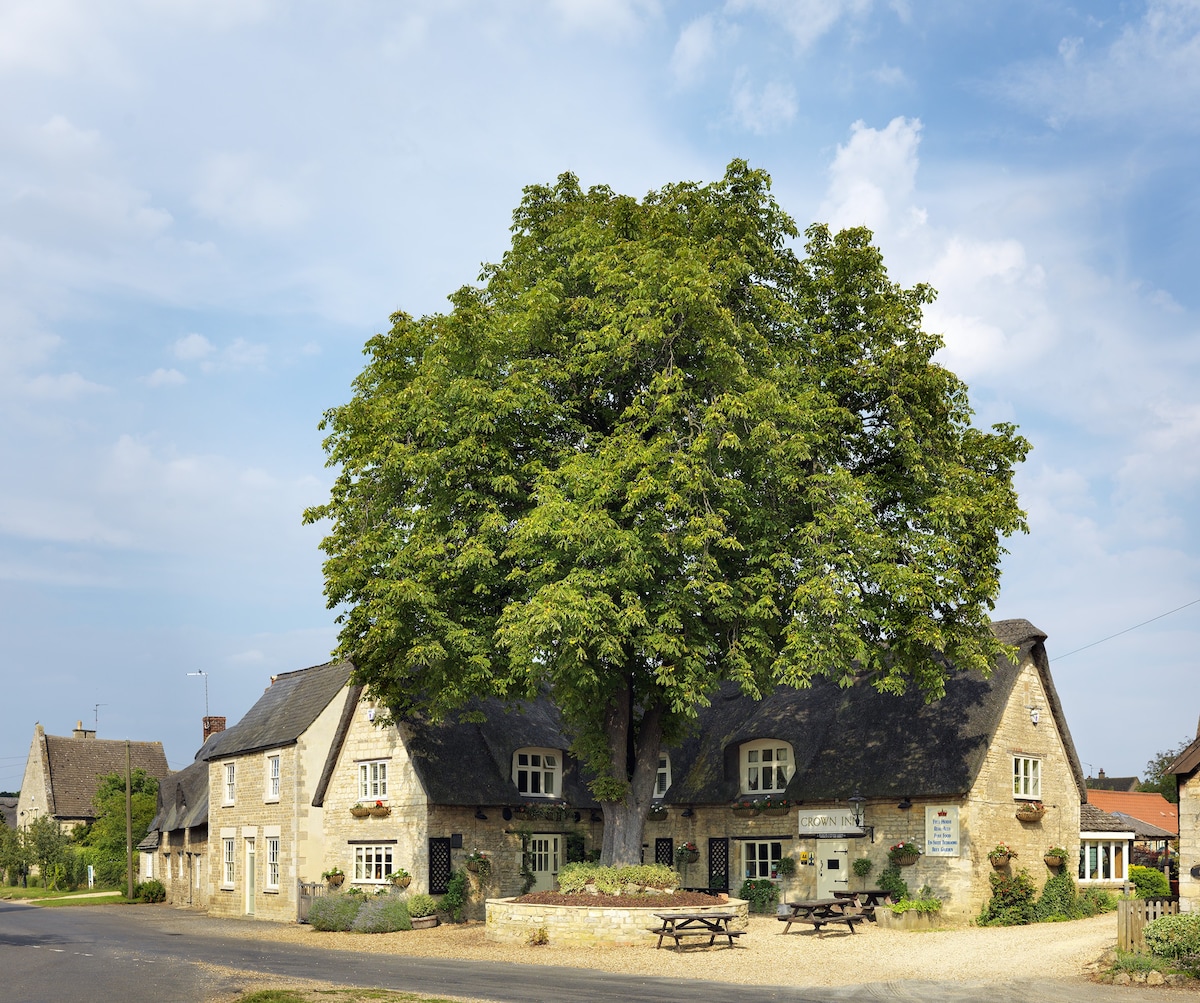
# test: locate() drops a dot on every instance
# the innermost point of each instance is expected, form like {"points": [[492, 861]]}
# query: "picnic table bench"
{"points": [[822, 912], [681, 925], [866, 900]]}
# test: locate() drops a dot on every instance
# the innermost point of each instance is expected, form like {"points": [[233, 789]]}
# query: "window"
{"points": [[227, 858], [272, 791], [1027, 777], [537, 772], [766, 767], [167, 866], [230, 782], [372, 863], [273, 860], [761, 860], [662, 779], [372, 780], [1102, 858]]}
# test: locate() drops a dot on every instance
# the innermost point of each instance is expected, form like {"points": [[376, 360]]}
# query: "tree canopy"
{"points": [[107, 833], [654, 450], [1157, 780]]}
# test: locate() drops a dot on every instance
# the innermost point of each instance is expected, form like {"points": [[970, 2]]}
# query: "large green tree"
{"points": [[107, 833], [654, 450]]}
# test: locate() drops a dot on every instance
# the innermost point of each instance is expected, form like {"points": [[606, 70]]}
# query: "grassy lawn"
{"points": [[336, 996], [108, 898], [68, 898]]}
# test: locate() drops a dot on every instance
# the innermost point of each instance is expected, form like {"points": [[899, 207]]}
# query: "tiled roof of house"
{"points": [[283, 713], [75, 766], [1151, 808], [8, 808], [1103, 783], [1093, 819]]}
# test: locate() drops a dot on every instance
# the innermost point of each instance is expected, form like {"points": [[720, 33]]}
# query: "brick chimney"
{"points": [[213, 725], [82, 732]]}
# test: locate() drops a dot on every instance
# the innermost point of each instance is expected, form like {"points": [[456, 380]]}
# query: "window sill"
{"points": [[270, 891], [227, 888], [270, 800]]}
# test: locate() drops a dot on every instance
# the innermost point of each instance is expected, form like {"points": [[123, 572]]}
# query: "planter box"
{"points": [[888, 920], [424, 922], [360, 812], [776, 812]]}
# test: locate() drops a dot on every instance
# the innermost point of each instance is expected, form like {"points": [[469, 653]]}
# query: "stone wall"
{"points": [[510, 922], [1189, 841], [187, 885]]}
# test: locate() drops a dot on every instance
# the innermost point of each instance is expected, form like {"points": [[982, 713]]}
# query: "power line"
{"points": [[1059, 658]]}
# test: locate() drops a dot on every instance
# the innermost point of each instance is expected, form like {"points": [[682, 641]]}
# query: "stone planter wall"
{"points": [[510, 922], [888, 920]]}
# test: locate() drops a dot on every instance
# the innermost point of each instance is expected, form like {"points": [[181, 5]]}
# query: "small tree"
{"points": [[106, 835], [1157, 779], [48, 846]]}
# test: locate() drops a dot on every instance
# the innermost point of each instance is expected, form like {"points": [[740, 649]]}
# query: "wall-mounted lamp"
{"points": [[905, 805], [688, 812], [856, 805], [507, 813], [480, 815]]}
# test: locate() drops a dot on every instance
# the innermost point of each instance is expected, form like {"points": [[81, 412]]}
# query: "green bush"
{"points": [[1012, 902], [1058, 900], [925, 902], [864, 865], [891, 882], [334, 912], [1094, 901], [455, 899], [761, 893], [421, 905], [1174, 936], [574, 878], [1149, 882], [385, 914], [150, 891]]}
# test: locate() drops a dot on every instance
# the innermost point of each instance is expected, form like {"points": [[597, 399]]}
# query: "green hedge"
{"points": [[1174, 936], [761, 893], [574, 878], [1149, 882]]}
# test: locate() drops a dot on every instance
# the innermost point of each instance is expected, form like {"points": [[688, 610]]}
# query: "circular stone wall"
{"points": [[511, 922]]}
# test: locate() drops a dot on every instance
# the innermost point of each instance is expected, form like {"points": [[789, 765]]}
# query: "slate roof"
{"points": [[1143, 830], [75, 766], [1150, 808], [1093, 819], [1112, 783], [283, 713], [1188, 760]]}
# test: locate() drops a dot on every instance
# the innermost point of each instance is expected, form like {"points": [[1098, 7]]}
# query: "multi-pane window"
{"points": [[1102, 860], [272, 861], [1027, 777], [373, 780], [662, 779], [167, 866], [766, 767], [537, 772], [230, 782], [273, 777], [372, 863], [227, 861], [761, 860]]}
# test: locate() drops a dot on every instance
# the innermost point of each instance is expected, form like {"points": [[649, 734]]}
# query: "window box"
{"points": [[380, 811], [1031, 811], [744, 810], [360, 811]]}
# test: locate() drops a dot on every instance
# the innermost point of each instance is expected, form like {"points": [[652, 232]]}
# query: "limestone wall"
{"points": [[510, 922], [1189, 842]]}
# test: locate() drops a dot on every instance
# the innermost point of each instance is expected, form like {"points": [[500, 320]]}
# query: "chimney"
{"points": [[212, 725], [82, 732], [1101, 775]]}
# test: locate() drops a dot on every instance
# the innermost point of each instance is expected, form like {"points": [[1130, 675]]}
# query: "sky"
{"points": [[208, 206]]}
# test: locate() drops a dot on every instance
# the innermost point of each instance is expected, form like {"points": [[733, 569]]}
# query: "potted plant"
{"points": [[862, 867], [380, 810], [745, 808], [904, 853], [686, 853], [787, 867], [1001, 854], [658, 812], [1031, 811], [334, 876], [400, 878], [422, 910], [360, 810], [775, 806], [1056, 856], [478, 862]]}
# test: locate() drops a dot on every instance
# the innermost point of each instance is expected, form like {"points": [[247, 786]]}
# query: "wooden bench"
{"points": [[850, 920], [679, 935]]}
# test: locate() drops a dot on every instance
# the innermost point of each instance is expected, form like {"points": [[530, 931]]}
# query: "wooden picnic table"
{"points": [[821, 912], [681, 925], [866, 899]]}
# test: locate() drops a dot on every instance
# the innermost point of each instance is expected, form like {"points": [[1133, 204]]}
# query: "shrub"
{"points": [[574, 878], [421, 905], [1012, 901], [455, 898], [385, 914], [864, 865], [1148, 882], [1094, 901], [334, 912], [761, 893], [1058, 900], [150, 891], [891, 882], [649, 876], [1174, 936]]}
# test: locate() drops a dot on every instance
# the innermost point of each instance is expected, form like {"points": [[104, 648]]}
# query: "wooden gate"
{"points": [[308, 890], [1134, 914]]}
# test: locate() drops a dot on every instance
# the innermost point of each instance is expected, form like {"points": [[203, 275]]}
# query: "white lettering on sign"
{"points": [[941, 831]]}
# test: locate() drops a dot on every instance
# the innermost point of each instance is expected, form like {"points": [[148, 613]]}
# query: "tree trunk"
{"points": [[634, 748]]}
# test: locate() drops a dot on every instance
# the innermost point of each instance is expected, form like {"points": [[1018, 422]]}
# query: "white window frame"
{"points": [[538, 772], [373, 863], [662, 776], [373, 780], [761, 856], [1095, 868], [271, 772], [272, 863], [762, 755], [229, 862], [229, 783], [1027, 777]]}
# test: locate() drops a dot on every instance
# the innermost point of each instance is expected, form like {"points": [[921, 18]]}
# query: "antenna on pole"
{"points": [[201, 672], [96, 711]]}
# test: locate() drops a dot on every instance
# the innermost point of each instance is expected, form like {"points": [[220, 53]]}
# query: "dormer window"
{"points": [[538, 772], [662, 779], [766, 766]]}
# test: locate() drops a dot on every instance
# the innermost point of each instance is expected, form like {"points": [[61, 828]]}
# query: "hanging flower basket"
{"points": [[776, 812], [906, 860], [1031, 812], [380, 811], [335, 880], [359, 812], [688, 856], [999, 860], [657, 814], [1054, 860], [401, 882], [744, 811]]}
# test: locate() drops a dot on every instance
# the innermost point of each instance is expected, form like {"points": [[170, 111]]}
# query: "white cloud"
{"points": [[872, 174], [609, 17], [805, 20], [61, 386], [694, 49], [165, 378], [234, 190], [762, 111], [242, 354], [192, 347]]}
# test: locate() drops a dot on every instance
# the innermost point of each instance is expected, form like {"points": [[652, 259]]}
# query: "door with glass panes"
{"points": [[545, 851]]}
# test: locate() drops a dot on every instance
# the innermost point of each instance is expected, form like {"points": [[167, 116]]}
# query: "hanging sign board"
{"points": [[941, 831], [837, 823]]}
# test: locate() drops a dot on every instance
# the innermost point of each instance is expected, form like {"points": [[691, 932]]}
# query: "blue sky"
{"points": [[207, 206]]}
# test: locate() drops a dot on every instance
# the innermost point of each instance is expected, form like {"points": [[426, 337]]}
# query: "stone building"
{"points": [[1186, 769], [175, 850]]}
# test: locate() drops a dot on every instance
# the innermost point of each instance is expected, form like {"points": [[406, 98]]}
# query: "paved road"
{"points": [[154, 955]]}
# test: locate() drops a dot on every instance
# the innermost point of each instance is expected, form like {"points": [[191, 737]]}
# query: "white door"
{"points": [[833, 867], [544, 853], [249, 877]]}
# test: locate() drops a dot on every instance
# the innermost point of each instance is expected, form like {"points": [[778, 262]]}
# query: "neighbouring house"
{"points": [[308, 782], [175, 849], [1153, 818], [62, 774], [1185, 768], [1100, 782], [1105, 847]]}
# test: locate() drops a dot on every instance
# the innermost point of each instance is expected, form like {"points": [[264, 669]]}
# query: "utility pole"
{"points": [[128, 825]]}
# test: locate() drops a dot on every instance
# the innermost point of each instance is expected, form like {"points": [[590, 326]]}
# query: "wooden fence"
{"points": [[308, 890], [1134, 914]]}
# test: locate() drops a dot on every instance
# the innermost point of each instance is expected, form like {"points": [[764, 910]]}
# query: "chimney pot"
{"points": [[213, 725]]}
